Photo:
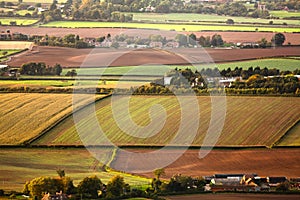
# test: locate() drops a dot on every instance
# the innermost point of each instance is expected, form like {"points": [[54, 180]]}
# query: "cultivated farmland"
{"points": [[264, 162], [126, 57], [175, 27], [235, 37], [15, 45], [283, 13], [192, 17], [23, 164], [292, 137], [24, 116], [19, 21], [250, 121]]}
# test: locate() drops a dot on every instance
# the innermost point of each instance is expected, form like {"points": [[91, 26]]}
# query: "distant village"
{"points": [[249, 183], [126, 41]]}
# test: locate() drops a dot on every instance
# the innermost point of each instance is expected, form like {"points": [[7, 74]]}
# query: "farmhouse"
{"points": [[57, 196], [245, 183], [156, 45], [275, 181]]}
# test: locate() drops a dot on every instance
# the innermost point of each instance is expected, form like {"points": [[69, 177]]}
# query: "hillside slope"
{"points": [[250, 121]]}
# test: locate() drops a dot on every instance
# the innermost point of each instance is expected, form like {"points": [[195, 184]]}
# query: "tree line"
{"points": [[206, 81], [93, 188], [115, 10], [40, 68]]}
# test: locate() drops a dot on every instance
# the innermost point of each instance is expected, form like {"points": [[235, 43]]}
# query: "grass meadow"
{"points": [[192, 17], [250, 121], [279, 63], [175, 27], [24, 164], [19, 21], [283, 13]]}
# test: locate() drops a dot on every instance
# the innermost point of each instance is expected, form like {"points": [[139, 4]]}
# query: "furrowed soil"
{"points": [[293, 38], [69, 57], [264, 162]]}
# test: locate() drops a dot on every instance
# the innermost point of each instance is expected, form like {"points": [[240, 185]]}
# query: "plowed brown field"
{"points": [[293, 38], [69, 57], [264, 162]]}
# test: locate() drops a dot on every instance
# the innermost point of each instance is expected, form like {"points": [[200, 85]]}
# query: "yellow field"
{"points": [[15, 45], [24, 116], [250, 121]]}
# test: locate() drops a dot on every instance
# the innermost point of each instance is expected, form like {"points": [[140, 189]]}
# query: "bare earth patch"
{"points": [[69, 57]]}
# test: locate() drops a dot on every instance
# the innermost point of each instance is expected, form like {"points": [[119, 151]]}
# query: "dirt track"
{"points": [[293, 38], [264, 162], [69, 57]]}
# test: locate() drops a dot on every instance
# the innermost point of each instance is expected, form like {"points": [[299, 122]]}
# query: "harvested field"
{"points": [[234, 37], [170, 26], [15, 45], [24, 116], [19, 165], [292, 137], [264, 162], [249, 121], [68, 57]]}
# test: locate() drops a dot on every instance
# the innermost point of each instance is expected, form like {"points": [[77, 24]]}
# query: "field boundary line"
{"points": [[45, 131], [275, 144]]}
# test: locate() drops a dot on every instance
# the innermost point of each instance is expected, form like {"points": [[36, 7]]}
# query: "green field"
{"points": [[49, 83], [23, 12], [158, 17], [19, 21], [19, 165], [24, 116], [250, 121], [176, 27], [282, 14], [279, 63], [8, 52]]}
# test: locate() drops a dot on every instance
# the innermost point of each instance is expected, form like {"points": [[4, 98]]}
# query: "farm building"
{"points": [[275, 181]]}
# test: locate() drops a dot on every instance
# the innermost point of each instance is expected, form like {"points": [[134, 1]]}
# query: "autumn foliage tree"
{"points": [[89, 187]]}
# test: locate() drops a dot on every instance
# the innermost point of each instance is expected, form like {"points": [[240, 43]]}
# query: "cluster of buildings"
{"points": [[246, 183], [108, 42]]}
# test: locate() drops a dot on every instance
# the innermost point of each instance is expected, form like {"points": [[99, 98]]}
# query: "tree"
{"points": [[263, 43], [53, 5], [115, 45], [60, 172], [192, 39], [71, 73], [278, 39], [90, 186], [182, 39], [283, 187], [116, 187], [217, 40], [39, 186], [229, 21], [159, 172]]}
